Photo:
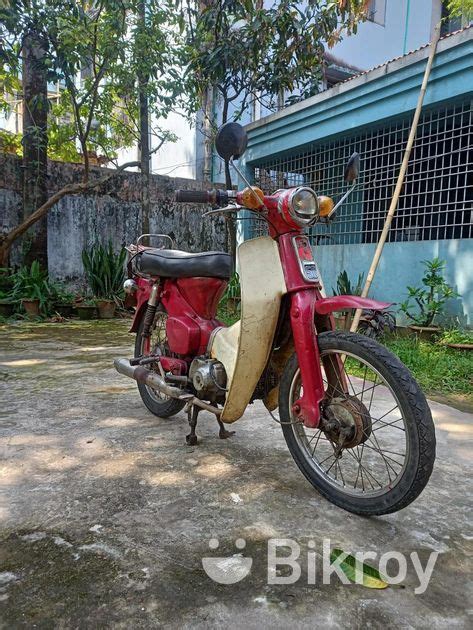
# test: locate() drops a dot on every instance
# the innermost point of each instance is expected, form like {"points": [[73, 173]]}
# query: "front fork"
{"points": [[307, 407]]}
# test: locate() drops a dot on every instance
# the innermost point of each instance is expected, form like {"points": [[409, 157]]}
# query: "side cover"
{"points": [[244, 348]]}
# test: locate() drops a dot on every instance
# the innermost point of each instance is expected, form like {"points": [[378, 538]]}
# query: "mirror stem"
{"points": [[256, 196], [340, 201]]}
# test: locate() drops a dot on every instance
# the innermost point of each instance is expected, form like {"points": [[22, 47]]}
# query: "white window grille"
{"points": [[437, 196]]}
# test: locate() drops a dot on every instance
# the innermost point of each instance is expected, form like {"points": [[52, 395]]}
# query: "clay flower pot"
{"points": [[65, 310], [86, 311], [106, 309], [31, 307], [6, 308]]}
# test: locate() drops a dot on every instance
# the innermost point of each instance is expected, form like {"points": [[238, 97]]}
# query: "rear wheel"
{"points": [[159, 404], [374, 450]]}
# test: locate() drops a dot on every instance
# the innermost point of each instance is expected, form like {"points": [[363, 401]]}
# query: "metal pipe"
{"points": [[147, 377]]}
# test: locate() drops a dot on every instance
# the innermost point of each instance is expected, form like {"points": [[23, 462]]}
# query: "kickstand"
{"points": [[192, 413], [223, 434]]}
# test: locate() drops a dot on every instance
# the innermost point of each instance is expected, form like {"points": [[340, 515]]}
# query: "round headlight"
{"points": [[304, 205]]}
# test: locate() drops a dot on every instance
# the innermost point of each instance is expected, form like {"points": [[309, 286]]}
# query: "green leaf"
{"points": [[370, 577]]}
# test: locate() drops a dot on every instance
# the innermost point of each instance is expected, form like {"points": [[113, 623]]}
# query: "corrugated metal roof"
{"points": [[411, 52]]}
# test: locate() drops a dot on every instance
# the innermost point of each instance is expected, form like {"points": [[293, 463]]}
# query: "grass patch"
{"points": [[438, 369]]}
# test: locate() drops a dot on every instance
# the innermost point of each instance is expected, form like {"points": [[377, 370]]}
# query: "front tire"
{"points": [[388, 479], [159, 404]]}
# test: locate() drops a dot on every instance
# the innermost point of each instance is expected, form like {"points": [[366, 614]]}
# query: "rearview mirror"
{"points": [[352, 168], [231, 141]]}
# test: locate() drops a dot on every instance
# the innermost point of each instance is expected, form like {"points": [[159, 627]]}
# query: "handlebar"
{"points": [[215, 197], [193, 196]]}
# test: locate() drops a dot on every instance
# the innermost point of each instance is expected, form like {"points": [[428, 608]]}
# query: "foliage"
{"points": [[233, 289], [430, 299], [32, 283], [461, 8], [61, 295], [104, 270], [10, 142], [345, 287], [357, 571], [437, 368], [455, 335], [248, 50], [101, 44]]}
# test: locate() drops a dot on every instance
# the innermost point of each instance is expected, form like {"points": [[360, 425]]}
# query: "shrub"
{"points": [[431, 298], [104, 270]]}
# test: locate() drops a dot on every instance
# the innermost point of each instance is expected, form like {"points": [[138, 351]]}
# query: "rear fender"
{"points": [[324, 306], [142, 296]]}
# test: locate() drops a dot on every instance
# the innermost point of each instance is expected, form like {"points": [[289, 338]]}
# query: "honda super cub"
{"points": [[354, 419]]}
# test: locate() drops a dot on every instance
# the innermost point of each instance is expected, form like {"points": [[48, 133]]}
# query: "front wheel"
{"points": [[374, 449]]}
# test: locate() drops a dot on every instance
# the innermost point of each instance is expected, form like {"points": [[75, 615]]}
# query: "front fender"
{"points": [[325, 306]]}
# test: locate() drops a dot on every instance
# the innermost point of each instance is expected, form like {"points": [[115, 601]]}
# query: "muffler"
{"points": [[147, 377]]}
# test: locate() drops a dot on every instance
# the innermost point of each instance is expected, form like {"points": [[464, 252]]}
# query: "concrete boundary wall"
{"points": [[111, 213]]}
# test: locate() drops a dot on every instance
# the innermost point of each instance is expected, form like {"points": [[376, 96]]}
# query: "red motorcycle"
{"points": [[354, 419]]}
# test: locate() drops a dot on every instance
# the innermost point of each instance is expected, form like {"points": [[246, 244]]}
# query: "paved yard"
{"points": [[105, 514]]}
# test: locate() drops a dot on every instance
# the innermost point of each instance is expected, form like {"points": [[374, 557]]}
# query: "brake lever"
{"points": [[231, 208]]}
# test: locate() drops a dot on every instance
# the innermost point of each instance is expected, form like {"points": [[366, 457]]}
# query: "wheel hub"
{"points": [[346, 422]]}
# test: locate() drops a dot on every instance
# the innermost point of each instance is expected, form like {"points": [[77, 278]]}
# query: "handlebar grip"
{"points": [[193, 196]]}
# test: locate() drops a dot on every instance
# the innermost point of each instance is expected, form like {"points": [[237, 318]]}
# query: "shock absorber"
{"points": [[150, 310]]}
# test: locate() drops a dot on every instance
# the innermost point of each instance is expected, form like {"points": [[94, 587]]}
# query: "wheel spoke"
{"points": [[365, 399]]}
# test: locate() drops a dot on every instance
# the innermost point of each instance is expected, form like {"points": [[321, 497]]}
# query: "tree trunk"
{"points": [[35, 145], [231, 222], [144, 136]]}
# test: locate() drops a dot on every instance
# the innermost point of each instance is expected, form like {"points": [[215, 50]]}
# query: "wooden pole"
{"points": [[400, 179]]}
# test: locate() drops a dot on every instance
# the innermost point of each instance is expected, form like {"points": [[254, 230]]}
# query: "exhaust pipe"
{"points": [[147, 377]]}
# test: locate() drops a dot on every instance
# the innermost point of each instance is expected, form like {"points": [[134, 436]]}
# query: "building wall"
{"points": [[408, 25], [400, 266], [112, 213]]}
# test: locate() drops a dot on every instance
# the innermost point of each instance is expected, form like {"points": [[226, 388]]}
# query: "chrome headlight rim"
{"points": [[303, 220]]}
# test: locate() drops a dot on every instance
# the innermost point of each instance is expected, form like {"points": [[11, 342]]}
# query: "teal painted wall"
{"points": [[401, 265]]}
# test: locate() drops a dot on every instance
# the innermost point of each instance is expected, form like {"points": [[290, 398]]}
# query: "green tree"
{"points": [[96, 50], [461, 8], [245, 51]]}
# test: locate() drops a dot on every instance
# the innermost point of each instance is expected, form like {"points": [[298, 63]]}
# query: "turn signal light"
{"points": [[326, 205], [250, 196]]}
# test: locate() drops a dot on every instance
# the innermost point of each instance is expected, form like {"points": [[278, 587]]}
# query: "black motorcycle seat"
{"points": [[172, 263]]}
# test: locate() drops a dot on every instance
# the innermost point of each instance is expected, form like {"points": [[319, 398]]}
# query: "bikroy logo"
{"points": [[392, 564]]}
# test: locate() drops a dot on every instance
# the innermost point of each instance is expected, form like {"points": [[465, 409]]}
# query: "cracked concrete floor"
{"points": [[105, 514]]}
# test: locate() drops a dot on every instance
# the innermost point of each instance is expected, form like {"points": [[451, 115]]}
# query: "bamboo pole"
{"points": [[400, 179]]}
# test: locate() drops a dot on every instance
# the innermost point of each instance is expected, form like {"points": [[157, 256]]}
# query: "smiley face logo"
{"points": [[227, 569]]}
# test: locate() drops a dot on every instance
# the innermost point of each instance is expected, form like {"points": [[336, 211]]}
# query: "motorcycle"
{"points": [[354, 419]]}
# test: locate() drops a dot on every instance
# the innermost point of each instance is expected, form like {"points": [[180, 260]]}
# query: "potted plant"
{"points": [[424, 304], [105, 271], [344, 287], [6, 302], [63, 303], [32, 289], [86, 309]]}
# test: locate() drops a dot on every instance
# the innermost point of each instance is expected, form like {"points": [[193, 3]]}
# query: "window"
{"points": [[377, 11], [436, 200]]}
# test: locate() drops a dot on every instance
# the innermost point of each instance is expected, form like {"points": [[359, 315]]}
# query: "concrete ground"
{"points": [[105, 514]]}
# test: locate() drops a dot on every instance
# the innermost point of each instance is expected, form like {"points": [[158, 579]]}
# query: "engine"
{"points": [[209, 379]]}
